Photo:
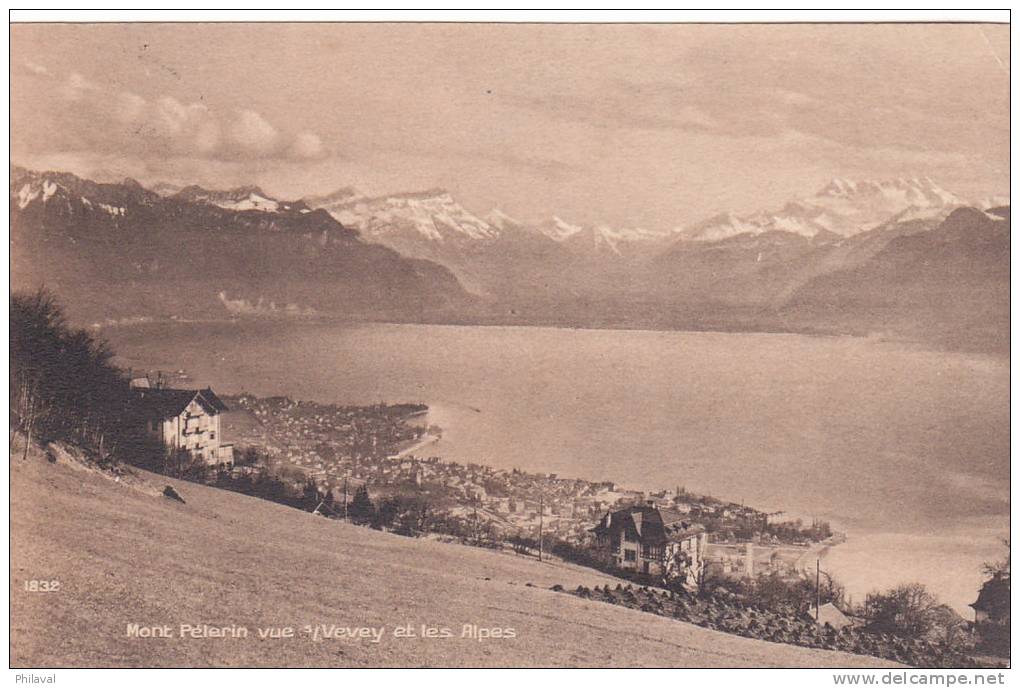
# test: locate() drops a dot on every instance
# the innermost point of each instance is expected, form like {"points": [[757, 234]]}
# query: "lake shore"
{"points": [[425, 441]]}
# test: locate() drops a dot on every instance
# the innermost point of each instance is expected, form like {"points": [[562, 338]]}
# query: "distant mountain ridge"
{"points": [[431, 215], [949, 285], [816, 264], [842, 207], [730, 271], [120, 250], [240, 198]]}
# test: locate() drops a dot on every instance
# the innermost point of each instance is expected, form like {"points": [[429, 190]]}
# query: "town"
{"points": [[385, 448], [341, 461]]}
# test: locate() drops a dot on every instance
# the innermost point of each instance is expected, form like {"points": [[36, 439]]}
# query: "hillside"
{"points": [[123, 554], [949, 285]]}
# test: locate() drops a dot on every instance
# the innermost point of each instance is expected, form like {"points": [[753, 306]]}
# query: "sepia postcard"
{"points": [[501, 344]]}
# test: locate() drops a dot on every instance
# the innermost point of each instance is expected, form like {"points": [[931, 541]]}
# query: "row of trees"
{"points": [[789, 531], [912, 611], [305, 494], [63, 385], [412, 516]]}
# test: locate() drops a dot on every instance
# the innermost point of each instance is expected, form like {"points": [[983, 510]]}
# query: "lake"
{"points": [[904, 448]]}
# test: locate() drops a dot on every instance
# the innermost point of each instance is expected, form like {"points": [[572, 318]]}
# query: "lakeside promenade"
{"points": [[428, 439]]}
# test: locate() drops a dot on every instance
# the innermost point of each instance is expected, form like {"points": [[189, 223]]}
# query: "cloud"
{"points": [[307, 146], [253, 133], [207, 137], [171, 115], [629, 108], [121, 122], [840, 158], [128, 107]]}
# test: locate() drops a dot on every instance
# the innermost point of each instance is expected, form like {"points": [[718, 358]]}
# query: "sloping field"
{"points": [[124, 555]]}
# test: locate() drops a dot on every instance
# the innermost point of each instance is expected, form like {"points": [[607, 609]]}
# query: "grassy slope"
{"points": [[124, 554]]}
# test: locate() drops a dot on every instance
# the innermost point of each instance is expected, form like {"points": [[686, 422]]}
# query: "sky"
{"points": [[654, 126]]}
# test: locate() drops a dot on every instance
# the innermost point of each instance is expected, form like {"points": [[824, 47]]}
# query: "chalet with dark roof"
{"points": [[187, 419], [657, 542], [992, 604]]}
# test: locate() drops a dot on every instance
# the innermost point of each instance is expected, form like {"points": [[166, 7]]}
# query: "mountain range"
{"points": [[731, 271], [119, 250], [843, 207], [948, 285], [831, 261]]}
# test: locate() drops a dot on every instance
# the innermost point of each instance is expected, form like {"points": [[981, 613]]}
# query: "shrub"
{"points": [[908, 610]]}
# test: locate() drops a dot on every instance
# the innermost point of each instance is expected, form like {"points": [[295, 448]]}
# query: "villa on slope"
{"points": [[185, 419], [657, 542]]}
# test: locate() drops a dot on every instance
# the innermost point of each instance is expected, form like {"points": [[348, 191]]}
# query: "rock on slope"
{"points": [[124, 556]]}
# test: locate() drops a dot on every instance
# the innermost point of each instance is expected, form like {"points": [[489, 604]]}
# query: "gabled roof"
{"points": [[213, 400], [166, 403], [669, 517], [994, 596], [651, 525], [830, 614]]}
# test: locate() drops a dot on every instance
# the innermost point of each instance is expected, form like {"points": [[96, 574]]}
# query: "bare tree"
{"points": [[907, 610]]}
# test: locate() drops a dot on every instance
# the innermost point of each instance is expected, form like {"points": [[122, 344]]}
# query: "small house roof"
{"points": [[830, 614], [994, 596], [212, 399], [166, 403]]}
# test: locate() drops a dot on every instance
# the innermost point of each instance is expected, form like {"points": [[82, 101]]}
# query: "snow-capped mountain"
{"points": [[501, 221], [75, 196], [435, 217], [842, 207], [242, 198], [161, 254], [558, 229], [431, 215], [832, 261]]}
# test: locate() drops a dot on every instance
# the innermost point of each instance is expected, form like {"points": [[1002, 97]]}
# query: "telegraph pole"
{"points": [[541, 520], [818, 588]]}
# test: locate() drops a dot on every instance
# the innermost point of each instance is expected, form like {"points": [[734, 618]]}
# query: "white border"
{"points": [[553, 16], [473, 677]]}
